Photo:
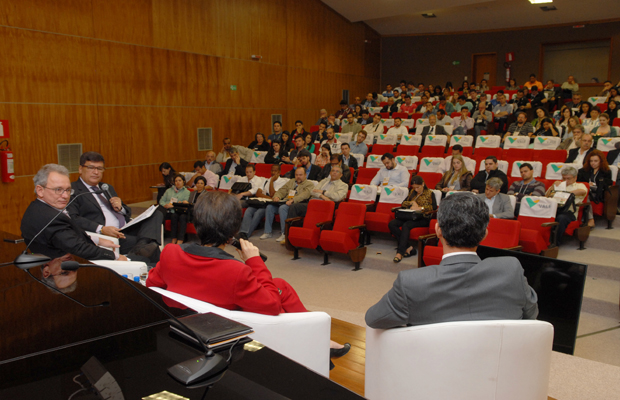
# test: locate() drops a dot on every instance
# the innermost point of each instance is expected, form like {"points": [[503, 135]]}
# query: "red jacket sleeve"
{"points": [[255, 290]]}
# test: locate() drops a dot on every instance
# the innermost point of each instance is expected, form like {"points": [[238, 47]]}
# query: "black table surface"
{"points": [[45, 339]]}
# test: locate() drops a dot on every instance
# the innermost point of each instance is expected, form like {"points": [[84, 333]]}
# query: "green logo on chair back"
{"points": [[227, 179], [407, 138], [374, 158], [556, 168], [519, 165], [512, 140], [400, 159], [338, 136], [531, 202], [483, 139], [542, 139], [383, 137], [256, 154], [606, 141], [388, 191], [431, 138], [358, 188], [456, 138], [428, 162]]}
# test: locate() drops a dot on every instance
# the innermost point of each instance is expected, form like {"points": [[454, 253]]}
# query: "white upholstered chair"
{"points": [[302, 337], [503, 360]]}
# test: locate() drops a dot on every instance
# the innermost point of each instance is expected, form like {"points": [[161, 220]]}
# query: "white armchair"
{"points": [[507, 360], [302, 337]]}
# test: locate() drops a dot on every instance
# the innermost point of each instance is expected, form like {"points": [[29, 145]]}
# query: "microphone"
{"points": [[234, 242], [106, 191], [202, 370], [24, 260]]}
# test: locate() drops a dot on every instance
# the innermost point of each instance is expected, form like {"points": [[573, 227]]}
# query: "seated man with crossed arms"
{"points": [[331, 188]]}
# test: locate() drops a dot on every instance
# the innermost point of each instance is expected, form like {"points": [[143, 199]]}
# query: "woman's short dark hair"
{"points": [[180, 176], [463, 219], [217, 217], [165, 165], [201, 178]]}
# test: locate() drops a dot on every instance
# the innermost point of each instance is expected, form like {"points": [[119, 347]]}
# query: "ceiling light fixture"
{"points": [[540, 1], [429, 15], [548, 8]]}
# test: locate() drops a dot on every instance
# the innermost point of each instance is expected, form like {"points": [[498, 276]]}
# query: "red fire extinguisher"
{"points": [[6, 162]]}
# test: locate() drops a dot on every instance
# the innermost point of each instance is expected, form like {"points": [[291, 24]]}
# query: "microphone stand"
{"points": [[195, 372]]}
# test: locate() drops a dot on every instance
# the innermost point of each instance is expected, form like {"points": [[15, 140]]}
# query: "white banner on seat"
{"points": [[227, 181], [517, 142], [430, 164], [409, 123], [409, 162], [463, 140], [607, 144], [516, 173], [546, 143], [597, 100], [344, 137], [359, 158], [393, 194], [488, 141], [436, 140], [538, 207], [374, 161], [258, 157], [387, 138], [502, 165], [370, 138], [448, 129], [388, 122], [374, 110], [363, 193], [554, 170], [411, 140]]}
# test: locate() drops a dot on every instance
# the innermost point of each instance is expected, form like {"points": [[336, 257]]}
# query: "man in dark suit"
{"points": [[235, 165], [390, 107], [99, 214], [462, 287], [612, 156], [491, 170], [312, 171], [579, 154], [63, 235], [432, 128], [347, 159]]}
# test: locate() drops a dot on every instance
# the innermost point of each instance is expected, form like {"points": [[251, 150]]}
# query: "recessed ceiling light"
{"points": [[429, 15], [548, 8], [540, 1]]}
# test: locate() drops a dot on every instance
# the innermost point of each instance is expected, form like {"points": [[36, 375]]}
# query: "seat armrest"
{"points": [[363, 226], [371, 207], [324, 224], [297, 221], [515, 248], [548, 224], [426, 237]]}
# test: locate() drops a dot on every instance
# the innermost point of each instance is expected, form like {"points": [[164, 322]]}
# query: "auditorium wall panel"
{"points": [[73, 17], [124, 21]]}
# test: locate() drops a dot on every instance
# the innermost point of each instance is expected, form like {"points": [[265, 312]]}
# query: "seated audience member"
{"points": [[277, 132], [336, 160], [330, 137], [300, 144], [365, 119], [276, 154], [259, 143], [462, 103], [287, 141], [614, 94], [578, 155], [593, 121], [63, 236], [178, 218], [597, 174], [463, 123], [483, 120], [235, 164], [344, 110], [312, 171], [457, 178], [201, 170], [390, 106], [357, 145], [484, 87], [347, 159], [322, 117], [443, 119], [547, 128], [391, 174], [200, 185], [211, 164], [331, 188], [331, 122], [299, 129], [571, 85], [357, 111], [324, 156], [444, 105], [552, 95], [521, 102], [584, 111], [407, 107], [502, 111], [421, 108], [563, 218], [245, 285], [432, 128], [533, 81], [536, 97], [490, 289], [369, 102], [498, 203], [420, 199], [541, 114], [612, 110], [357, 103], [398, 129], [519, 128], [495, 99], [352, 126], [574, 141], [477, 100], [491, 170], [168, 173], [376, 128], [604, 129], [457, 150], [512, 85], [255, 181], [527, 187], [106, 216], [429, 110], [464, 86], [606, 86], [225, 154], [576, 101], [295, 190], [562, 124], [320, 134], [309, 144], [388, 91], [613, 157], [398, 99], [253, 215]]}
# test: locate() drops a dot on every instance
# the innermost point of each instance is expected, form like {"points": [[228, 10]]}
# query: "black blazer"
{"points": [[62, 236], [572, 154], [439, 130], [479, 181], [262, 147], [315, 171], [389, 109], [352, 162], [603, 181], [611, 156], [86, 211], [239, 169]]}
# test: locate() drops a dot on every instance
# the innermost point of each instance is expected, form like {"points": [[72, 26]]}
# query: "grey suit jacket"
{"points": [[502, 208], [460, 288]]}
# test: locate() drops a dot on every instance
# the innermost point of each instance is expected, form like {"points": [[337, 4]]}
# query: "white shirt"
{"points": [[580, 157], [445, 120], [110, 218], [375, 129], [458, 253], [398, 176], [276, 185], [401, 130], [489, 203], [257, 183]]}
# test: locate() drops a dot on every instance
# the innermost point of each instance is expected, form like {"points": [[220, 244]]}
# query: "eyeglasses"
{"points": [[92, 168], [60, 191]]}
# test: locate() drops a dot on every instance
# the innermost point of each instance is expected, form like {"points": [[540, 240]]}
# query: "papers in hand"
{"points": [[96, 236], [264, 200], [146, 214]]}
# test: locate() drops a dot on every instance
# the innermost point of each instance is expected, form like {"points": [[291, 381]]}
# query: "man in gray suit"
{"points": [[462, 287], [498, 203]]}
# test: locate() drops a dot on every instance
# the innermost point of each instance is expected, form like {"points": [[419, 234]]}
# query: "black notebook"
{"points": [[213, 329]]}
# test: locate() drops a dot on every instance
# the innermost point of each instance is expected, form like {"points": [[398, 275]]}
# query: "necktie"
{"points": [[119, 216], [432, 130]]}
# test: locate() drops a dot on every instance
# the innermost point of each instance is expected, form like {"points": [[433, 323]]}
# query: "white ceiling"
{"points": [[401, 17]]}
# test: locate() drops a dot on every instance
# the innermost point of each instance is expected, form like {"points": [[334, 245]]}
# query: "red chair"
{"points": [[503, 234], [347, 235], [263, 170], [483, 152], [548, 156], [603, 107], [407, 150], [455, 114], [433, 151], [285, 168], [538, 226], [578, 228], [378, 220], [383, 104], [430, 178], [402, 115], [382, 149], [512, 155], [385, 115], [314, 128], [467, 151], [365, 175], [430, 249], [418, 115], [304, 232], [616, 122]]}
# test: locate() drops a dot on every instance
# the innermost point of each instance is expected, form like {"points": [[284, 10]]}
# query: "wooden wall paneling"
{"points": [[305, 34], [46, 68], [306, 89], [72, 17], [16, 197], [308, 116], [127, 21], [247, 28], [196, 26], [272, 31], [344, 46], [372, 53]]}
